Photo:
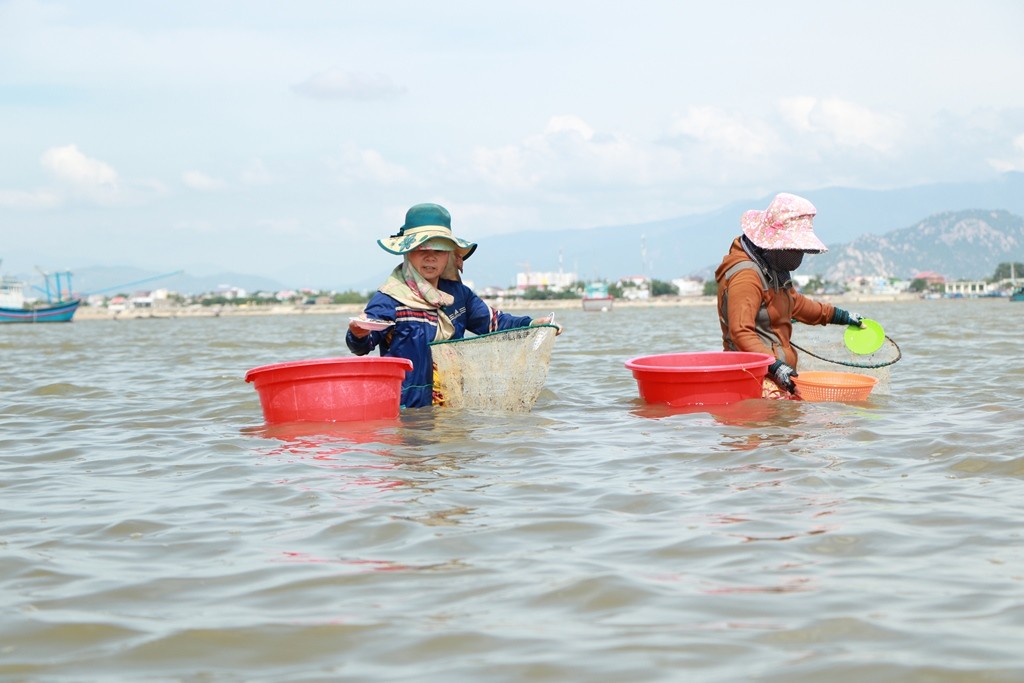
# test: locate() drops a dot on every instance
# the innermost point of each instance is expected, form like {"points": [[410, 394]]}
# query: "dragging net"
{"points": [[498, 371], [820, 350]]}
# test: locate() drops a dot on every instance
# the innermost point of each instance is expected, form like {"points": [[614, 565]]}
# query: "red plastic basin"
{"points": [[705, 378], [330, 389]]}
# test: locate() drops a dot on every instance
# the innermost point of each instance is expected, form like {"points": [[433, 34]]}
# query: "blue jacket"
{"points": [[413, 331]]}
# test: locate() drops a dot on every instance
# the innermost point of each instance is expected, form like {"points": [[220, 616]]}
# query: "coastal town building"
{"points": [[230, 292], [930, 277], [689, 286], [972, 288], [553, 281], [875, 284], [635, 288]]}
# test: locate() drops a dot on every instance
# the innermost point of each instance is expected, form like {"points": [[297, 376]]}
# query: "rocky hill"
{"points": [[958, 244]]}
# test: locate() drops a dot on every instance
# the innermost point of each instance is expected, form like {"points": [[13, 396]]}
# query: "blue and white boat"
{"points": [[56, 309]]}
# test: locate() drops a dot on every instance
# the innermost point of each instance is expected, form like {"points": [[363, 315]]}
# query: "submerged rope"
{"points": [[899, 354]]}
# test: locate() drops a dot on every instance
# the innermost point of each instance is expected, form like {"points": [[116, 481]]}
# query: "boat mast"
{"points": [[46, 282]]}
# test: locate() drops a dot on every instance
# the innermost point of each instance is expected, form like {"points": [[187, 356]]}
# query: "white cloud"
{"points": [[570, 153], [505, 167], [29, 199], [569, 124], [79, 177], [845, 124], [88, 176], [356, 165], [1018, 143], [796, 111], [335, 84], [197, 180], [256, 173], [713, 128], [705, 156], [1015, 161]]}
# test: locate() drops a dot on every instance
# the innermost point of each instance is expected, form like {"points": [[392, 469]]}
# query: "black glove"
{"points": [[841, 317], [781, 373]]}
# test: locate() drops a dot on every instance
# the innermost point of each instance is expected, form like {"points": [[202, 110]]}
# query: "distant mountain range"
{"points": [[962, 230], [111, 281], [694, 245]]}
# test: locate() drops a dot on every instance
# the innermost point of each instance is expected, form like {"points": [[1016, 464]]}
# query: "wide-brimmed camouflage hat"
{"points": [[426, 223]]}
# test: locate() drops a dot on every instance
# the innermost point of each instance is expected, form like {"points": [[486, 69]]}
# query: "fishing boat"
{"points": [[596, 297], [56, 309], [1016, 292]]}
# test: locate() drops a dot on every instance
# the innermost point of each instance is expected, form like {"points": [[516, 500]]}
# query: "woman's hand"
{"points": [[782, 375], [357, 332], [548, 320], [841, 317]]}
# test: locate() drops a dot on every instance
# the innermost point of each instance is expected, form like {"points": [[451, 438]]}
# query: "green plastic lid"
{"points": [[864, 340]]}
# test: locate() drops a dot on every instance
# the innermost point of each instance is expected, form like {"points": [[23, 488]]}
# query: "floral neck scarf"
{"points": [[410, 288]]}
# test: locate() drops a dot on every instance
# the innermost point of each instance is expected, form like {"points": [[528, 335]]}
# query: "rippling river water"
{"points": [[153, 530]]}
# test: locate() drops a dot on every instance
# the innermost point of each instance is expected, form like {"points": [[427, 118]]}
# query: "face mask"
{"points": [[784, 260]]}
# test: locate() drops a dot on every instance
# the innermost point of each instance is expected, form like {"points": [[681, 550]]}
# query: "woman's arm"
{"points": [[811, 312], [745, 296]]}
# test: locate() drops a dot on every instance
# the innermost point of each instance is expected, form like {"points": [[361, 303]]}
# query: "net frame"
{"points": [[503, 371], [851, 364]]}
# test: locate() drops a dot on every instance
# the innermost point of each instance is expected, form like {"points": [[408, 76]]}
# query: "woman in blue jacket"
{"points": [[423, 305]]}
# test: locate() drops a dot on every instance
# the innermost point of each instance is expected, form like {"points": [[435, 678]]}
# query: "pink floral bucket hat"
{"points": [[787, 223]]}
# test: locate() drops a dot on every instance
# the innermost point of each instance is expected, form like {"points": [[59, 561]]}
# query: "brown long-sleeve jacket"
{"points": [[756, 317]]}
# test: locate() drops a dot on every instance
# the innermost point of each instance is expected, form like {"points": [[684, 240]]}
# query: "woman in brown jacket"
{"points": [[756, 299]]}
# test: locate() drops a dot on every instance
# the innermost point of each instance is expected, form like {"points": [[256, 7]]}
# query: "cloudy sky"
{"points": [[256, 135]]}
